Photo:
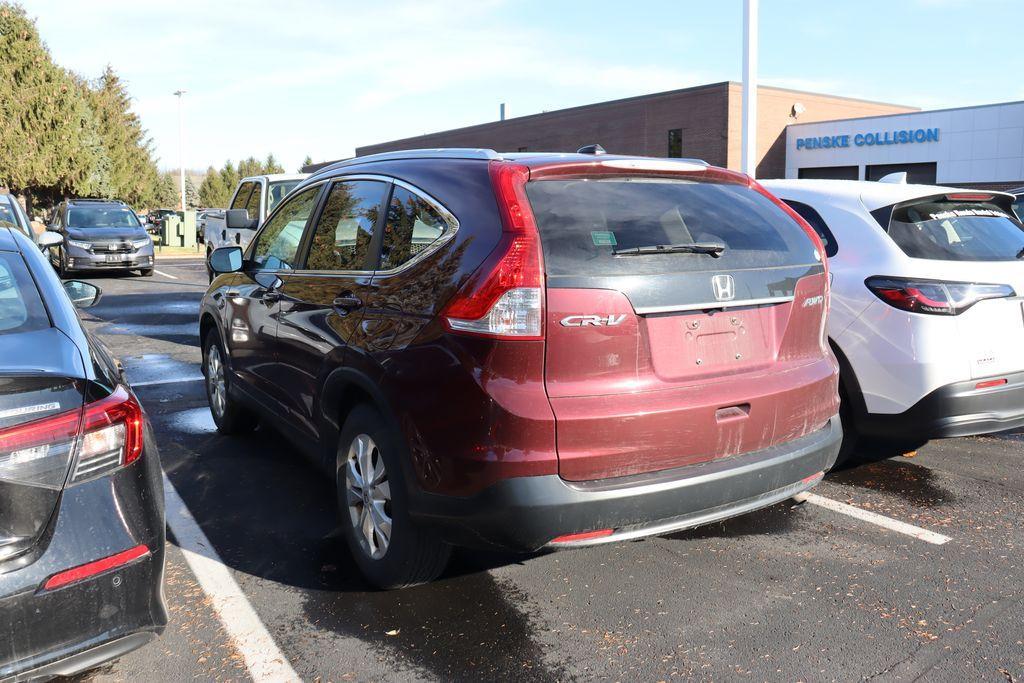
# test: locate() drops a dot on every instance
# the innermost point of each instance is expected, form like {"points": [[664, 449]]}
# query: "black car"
{"points": [[81, 489], [99, 235]]}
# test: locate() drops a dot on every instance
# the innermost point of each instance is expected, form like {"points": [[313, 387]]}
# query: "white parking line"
{"points": [[160, 272], [874, 518], [175, 380], [263, 659]]}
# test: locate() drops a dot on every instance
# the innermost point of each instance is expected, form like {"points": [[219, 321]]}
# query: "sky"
{"points": [[321, 77]]}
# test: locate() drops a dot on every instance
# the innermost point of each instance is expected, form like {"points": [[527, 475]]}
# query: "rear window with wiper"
{"points": [[639, 226], [947, 228]]}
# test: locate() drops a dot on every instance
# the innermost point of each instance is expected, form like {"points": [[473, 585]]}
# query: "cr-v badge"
{"points": [[593, 320], [724, 287]]}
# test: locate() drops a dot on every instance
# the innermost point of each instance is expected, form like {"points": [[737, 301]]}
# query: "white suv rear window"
{"points": [[944, 230]]}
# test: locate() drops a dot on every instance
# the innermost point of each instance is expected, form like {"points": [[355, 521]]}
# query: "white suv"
{"points": [[927, 318]]}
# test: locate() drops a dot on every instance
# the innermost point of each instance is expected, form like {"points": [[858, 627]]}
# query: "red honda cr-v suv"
{"points": [[528, 351]]}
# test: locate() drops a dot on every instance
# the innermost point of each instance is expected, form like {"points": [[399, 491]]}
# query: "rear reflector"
{"points": [[91, 569], [989, 383], [583, 536]]}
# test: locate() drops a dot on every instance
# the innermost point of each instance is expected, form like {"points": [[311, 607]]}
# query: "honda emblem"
{"points": [[724, 287]]}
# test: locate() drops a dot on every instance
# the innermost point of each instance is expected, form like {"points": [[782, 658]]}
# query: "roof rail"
{"points": [[435, 153], [98, 200]]}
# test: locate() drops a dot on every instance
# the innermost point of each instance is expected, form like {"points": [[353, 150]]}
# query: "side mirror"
{"points": [[52, 228], [82, 294], [48, 239], [226, 260], [238, 219]]}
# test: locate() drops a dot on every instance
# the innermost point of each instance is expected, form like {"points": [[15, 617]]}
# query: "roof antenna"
{"points": [[591, 149], [898, 178]]}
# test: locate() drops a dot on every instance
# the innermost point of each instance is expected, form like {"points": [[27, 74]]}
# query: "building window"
{"points": [[675, 143], [522, 149]]}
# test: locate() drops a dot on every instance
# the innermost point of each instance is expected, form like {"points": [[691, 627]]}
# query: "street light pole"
{"points": [[749, 139], [181, 145]]}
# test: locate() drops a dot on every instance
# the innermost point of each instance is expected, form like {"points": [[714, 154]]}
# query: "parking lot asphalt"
{"points": [[798, 591]]}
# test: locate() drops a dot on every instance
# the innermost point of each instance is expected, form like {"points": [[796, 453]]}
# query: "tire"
{"points": [[228, 414], [851, 436], [62, 267], [146, 272], [391, 556]]}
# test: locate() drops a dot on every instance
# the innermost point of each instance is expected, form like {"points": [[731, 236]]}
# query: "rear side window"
{"points": [[412, 226], [944, 230], [584, 222], [345, 228], [815, 220], [21, 309], [278, 191]]}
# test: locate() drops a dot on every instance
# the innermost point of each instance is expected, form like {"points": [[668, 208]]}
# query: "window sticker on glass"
{"points": [[603, 238]]}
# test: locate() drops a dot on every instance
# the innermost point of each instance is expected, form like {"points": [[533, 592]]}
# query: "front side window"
{"points": [[278, 242], [949, 229], [242, 196], [21, 309], [343, 233], [252, 206], [412, 226], [101, 217]]}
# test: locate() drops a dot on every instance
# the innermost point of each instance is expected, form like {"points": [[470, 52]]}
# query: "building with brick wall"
{"points": [[702, 122]]}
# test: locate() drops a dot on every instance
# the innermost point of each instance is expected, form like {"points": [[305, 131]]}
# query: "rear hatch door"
{"points": [[965, 237], [658, 360]]}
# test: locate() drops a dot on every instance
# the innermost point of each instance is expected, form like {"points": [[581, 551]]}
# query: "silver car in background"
{"points": [[99, 234]]}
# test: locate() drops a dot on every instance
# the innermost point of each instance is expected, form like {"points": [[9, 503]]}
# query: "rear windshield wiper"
{"points": [[711, 248]]}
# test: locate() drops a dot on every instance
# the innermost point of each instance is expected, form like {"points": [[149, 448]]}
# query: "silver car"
{"points": [[100, 234]]}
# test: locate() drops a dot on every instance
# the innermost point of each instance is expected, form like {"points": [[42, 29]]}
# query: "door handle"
{"points": [[348, 303]]}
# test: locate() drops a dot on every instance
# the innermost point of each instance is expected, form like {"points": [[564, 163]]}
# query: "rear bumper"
{"points": [[527, 513], [958, 409], [58, 631]]}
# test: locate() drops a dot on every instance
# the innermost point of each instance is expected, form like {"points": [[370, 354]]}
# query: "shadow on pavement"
{"points": [[271, 514]]}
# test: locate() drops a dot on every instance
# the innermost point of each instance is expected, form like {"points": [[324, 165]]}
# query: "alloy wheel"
{"points": [[215, 386], [368, 496]]}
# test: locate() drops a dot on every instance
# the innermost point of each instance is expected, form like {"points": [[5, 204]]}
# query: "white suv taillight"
{"points": [[104, 436], [934, 297], [504, 298]]}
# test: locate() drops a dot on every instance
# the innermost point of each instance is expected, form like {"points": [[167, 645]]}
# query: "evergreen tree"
{"points": [[271, 165], [305, 162], [212, 192], [229, 178], [191, 194], [250, 167], [166, 194]]}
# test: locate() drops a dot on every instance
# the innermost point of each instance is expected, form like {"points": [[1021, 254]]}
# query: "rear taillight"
{"points": [[934, 296], [111, 436], [106, 435], [504, 298]]}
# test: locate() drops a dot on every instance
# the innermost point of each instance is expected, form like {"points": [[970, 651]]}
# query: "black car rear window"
{"points": [[21, 308], [945, 230], [583, 222]]}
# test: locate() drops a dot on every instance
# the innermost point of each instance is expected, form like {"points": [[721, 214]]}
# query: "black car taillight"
{"points": [[104, 436], [935, 297]]}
